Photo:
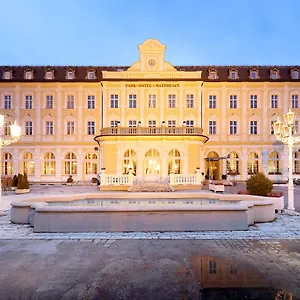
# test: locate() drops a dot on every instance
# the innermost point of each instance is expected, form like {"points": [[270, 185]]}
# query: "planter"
{"points": [[69, 183], [13, 188], [216, 188], [22, 191]]}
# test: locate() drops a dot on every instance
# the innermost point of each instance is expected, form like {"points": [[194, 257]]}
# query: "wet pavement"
{"points": [[150, 269]]}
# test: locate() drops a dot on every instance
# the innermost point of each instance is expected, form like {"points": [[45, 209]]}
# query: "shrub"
{"points": [[275, 194], [259, 185], [20, 185], [25, 182], [224, 176], [70, 179], [15, 181]]}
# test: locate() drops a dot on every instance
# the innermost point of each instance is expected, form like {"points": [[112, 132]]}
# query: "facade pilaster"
{"points": [[38, 161], [244, 119], [264, 161], [59, 158], [265, 127], [123, 104], [17, 105], [223, 128], [244, 167], [16, 161], [80, 168], [37, 124], [80, 121], [181, 104], [59, 122]]}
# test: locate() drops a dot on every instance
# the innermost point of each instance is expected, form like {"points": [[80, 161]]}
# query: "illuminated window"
{"points": [[91, 163], [233, 163], [174, 162], [129, 162], [252, 163], [28, 163], [273, 163], [49, 164], [7, 164], [70, 164]]}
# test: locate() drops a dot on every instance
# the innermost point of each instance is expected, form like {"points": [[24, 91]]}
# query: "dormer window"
{"points": [[28, 75], [7, 74], [49, 74], [91, 75], [233, 74], [70, 74], [295, 74], [212, 74], [254, 74], [274, 74]]}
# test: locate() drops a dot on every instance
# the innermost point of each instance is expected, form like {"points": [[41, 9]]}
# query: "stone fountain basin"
{"points": [[48, 214]]}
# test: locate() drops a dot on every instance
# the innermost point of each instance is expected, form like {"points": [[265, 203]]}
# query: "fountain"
{"points": [[151, 183]]}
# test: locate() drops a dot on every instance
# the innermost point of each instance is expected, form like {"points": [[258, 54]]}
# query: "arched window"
{"points": [[129, 162], [273, 163], [296, 162], [28, 163], [252, 163], [212, 165], [70, 164], [152, 162], [91, 163], [233, 163], [49, 164], [7, 164], [174, 162]]}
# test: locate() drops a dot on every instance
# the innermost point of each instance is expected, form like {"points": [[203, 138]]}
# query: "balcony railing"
{"points": [[151, 131]]}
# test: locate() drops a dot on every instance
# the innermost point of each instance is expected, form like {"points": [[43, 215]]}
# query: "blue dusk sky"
{"points": [[196, 32]]}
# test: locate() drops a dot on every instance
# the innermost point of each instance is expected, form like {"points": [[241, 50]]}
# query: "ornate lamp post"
{"points": [[15, 132], [283, 133]]}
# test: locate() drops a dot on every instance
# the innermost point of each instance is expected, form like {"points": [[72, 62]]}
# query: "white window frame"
{"points": [[7, 102], [28, 75], [49, 102], [274, 101], [91, 75], [91, 103], [253, 101], [233, 127], [49, 128], [152, 101], [190, 101], [91, 127], [171, 101], [189, 123], [70, 127], [28, 128], [132, 123], [70, 102], [253, 127], [132, 101], [212, 127], [151, 123], [233, 101], [28, 102], [171, 123], [114, 101], [295, 102], [114, 123]]}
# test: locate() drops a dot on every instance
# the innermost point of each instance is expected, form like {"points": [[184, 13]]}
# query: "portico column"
{"points": [[38, 160], [244, 168], [264, 159], [140, 159], [164, 171]]}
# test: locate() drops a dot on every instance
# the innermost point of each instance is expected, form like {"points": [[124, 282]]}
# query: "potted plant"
{"points": [[23, 184], [94, 181], [70, 180], [14, 183]]}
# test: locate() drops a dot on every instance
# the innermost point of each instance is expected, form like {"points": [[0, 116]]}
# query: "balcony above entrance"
{"points": [[152, 131]]}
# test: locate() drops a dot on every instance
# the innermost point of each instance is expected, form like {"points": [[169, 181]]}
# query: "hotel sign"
{"points": [[152, 85]]}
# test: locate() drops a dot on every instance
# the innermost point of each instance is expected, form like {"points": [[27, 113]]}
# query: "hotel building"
{"points": [[149, 118]]}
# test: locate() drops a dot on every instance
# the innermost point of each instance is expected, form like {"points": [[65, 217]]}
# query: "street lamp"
{"points": [[283, 133], [15, 132]]}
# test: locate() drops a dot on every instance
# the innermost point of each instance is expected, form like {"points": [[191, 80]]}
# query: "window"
{"points": [[7, 74], [252, 163], [7, 164], [295, 74], [70, 127], [189, 123], [295, 128], [190, 101], [296, 162], [274, 102], [91, 102], [212, 127], [233, 164], [114, 101], [172, 101], [212, 267], [49, 75], [253, 101], [49, 164], [212, 101], [152, 123], [49, 128], [70, 102], [273, 163], [28, 102], [274, 74], [28, 163], [91, 75], [132, 101], [28, 75], [132, 123], [254, 74], [70, 74], [7, 102], [70, 164], [171, 123], [129, 162], [253, 127], [91, 163], [91, 127], [212, 74], [233, 127], [233, 75], [114, 123], [233, 101], [174, 162], [232, 270], [152, 101], [49, 102], [28, 128], [294, 101], [7, 128]]}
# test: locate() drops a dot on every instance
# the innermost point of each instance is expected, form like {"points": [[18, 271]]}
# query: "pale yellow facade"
{"points": [[152, 118]]}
